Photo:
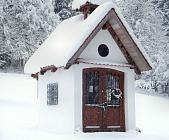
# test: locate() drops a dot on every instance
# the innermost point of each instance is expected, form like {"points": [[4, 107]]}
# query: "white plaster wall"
{"points": [[67, 115], [129, 99], [103, 37], [128, 91], [58, 118]]}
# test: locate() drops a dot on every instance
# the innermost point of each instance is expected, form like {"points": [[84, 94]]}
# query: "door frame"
{"points": [[122, 109]]}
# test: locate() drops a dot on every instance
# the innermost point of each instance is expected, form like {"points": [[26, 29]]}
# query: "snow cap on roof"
{"points": [[65, 40], [69, 36], [77, 3]]}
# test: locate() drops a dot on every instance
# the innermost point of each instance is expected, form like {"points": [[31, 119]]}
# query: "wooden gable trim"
{"points": [[115, 34], [52, 68], [88, 39], [121, 46], [106, 64], [35, 75], [43, 71], [130, 48]]}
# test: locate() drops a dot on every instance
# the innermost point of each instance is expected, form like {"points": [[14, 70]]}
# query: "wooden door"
{"points": [[103, 100]]}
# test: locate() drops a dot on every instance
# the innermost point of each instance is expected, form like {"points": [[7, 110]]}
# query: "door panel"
{"points": [[92, 113], [103, 105], [92, 87], [113, 87], [111, 118], [92, 117]]}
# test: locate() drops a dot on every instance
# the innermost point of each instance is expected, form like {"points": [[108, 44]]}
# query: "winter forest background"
{"points": [[25, 24]]}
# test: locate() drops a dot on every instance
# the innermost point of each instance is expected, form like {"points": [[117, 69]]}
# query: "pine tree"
{"points": [[63, 8], [149, 20], [26, 24]]}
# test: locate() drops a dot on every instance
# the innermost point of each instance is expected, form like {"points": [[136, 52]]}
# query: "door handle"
{"points": [[103, 106]]}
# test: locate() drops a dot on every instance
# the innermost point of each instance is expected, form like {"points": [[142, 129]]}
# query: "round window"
{"points": [[103, 50]]}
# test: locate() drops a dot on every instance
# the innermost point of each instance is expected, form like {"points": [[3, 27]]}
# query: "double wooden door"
{"points": [[103, 100]]}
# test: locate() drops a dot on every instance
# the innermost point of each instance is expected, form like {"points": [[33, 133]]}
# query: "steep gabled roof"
{"points": [[71, 37]]}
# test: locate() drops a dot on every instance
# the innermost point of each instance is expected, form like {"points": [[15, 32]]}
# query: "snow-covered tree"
{"points": [[26, 24], [149, 20], [63, 8]]}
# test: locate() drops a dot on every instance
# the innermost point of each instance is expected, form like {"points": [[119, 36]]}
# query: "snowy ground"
{"points": [[152, 114], [18, 119]]}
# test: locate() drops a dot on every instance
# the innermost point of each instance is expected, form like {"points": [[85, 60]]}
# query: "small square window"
{"points": [[52, 94]]}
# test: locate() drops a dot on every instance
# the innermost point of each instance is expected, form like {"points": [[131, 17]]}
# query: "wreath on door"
{"points": [[117, 93]]}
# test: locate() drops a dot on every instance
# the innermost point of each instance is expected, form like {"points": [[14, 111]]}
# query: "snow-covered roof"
{"points": [[68, 37], [77, 3]]}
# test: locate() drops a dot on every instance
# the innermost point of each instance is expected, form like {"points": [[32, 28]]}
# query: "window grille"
{"points": [[52, 94]]}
